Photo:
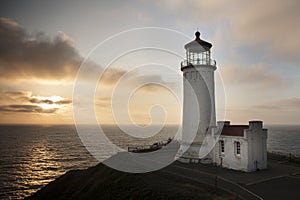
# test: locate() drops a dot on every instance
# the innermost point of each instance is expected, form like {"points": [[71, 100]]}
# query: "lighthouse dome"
{"points": [[198, 45]]}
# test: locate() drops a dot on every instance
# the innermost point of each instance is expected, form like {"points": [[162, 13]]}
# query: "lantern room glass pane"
{"points": [[198, 58]]}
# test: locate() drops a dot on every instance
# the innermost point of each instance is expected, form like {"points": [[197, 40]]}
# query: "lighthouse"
{"points": [[199, 118]]}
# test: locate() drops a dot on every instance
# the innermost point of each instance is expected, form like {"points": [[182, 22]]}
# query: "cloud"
{"points": [[148, 83], [17, 94], [153, 87], [37, 101], [26, 109], [273, 25], [24, 102], [104, 102], [205, 11], [118, 79], [64, 101], [14, 96], [270, 25], [112, 75], [266, 107], [24, 55], [27, 56], [283, 104], [260, 76], [286, 110], [49, 101], [291, 102], [27, 97]]}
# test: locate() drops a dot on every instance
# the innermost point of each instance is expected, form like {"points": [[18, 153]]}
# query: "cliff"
{"points": [[102, 182]]}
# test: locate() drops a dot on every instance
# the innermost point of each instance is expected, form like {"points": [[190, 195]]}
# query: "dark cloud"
{"points": [[26, 97], [24, 102], [23, 55], [37, 101], [49, 101], [26, 109], [14, 96], [64, 101], [16, 93]]}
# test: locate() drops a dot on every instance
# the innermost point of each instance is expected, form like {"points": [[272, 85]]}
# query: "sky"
{"points": [[123, 58]]}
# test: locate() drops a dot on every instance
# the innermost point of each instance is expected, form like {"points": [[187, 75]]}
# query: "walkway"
{"points": [[278, 182]]}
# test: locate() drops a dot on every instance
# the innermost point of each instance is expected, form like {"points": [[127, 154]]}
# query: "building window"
{"points": [[238, 148], [222, 147]]}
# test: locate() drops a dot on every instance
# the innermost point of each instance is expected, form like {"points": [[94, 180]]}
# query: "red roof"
{"points": [[234, 130]]}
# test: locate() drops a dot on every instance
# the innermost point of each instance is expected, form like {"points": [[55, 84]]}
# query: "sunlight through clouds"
{"points": [[255, 44]]}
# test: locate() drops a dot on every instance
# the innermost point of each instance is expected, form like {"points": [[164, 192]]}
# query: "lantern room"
{"points": [[198, 52]]}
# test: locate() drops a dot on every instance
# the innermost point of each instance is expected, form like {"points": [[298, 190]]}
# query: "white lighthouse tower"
{"points": [[199, 118]]}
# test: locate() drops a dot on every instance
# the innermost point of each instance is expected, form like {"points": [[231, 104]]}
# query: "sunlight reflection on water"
{"points": [[32, 156]]}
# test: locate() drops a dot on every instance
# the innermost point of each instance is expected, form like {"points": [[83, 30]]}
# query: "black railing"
{"points": [[198, 62]]}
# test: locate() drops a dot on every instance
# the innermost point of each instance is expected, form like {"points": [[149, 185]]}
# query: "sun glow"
{"points": [[48, 106], [47, 103]]}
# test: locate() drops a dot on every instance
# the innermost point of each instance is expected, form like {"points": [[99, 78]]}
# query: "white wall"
{"points": [[257, 146], [229, 159], [253, 149], [198, 103]]}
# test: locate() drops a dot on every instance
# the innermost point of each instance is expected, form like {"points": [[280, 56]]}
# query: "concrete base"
{"points": [[191, 155]]}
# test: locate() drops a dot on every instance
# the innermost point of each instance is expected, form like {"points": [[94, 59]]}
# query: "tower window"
{"points": [[222, 146], [238, 148]]}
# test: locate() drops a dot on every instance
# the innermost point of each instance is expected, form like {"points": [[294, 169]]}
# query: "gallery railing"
{"points": [[186, 63]]}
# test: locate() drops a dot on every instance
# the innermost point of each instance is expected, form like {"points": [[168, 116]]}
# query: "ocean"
{"points": [[32, 156]]}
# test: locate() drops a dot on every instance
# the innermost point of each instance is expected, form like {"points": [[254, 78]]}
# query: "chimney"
{"points": [[255, 125]]}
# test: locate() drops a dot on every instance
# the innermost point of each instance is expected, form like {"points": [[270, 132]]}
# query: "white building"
{"points": [[239, 147]]}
